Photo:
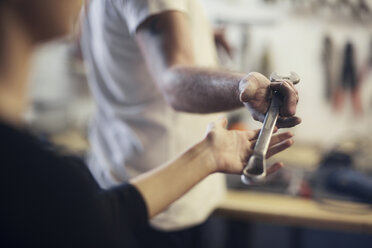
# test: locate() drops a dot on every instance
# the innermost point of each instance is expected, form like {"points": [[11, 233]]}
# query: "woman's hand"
{"points": [[230, 150], [220, 151]]}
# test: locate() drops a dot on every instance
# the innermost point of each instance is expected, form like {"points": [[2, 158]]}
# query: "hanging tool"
{"points": [[255, 171], [328, 55], [349, 83]]}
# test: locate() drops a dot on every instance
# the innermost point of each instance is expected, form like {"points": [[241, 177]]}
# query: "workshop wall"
{"points": [[291, 39], [285, 36]]}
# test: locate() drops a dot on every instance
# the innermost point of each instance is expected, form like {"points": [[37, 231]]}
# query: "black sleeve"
{"points": [[123, 204], [120, 212], [126, 207], [53, 201]]}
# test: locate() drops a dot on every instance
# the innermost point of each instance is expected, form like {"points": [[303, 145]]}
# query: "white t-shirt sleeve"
{"points": [[135, 12]]}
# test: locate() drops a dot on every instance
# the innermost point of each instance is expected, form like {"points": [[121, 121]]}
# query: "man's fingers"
{"points": [[279, 147], [283, 122], [292, 85], [274, 168], [290, 97]]}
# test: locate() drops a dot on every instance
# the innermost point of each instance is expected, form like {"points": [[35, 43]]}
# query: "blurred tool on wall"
{"points": [[348, 82], [328, 53]]}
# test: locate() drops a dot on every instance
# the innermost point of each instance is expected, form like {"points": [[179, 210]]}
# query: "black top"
{"points": [[48, 200]]}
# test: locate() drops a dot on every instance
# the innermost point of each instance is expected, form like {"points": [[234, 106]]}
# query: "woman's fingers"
{"points": [[274, 168], [280, 137], [221, 122], [275, 139], [279, 147], [253, 134]]}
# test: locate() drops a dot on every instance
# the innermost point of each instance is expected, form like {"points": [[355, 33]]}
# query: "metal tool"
{"points": [[255, 171]]}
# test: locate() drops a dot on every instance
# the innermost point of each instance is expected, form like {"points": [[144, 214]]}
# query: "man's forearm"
{"points": [[202, 90]]}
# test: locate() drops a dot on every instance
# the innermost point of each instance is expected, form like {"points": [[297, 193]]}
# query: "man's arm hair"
{"points": [[166, 44]]}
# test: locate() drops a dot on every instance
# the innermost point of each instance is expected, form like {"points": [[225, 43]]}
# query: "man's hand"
{"points": [[256, 93]]}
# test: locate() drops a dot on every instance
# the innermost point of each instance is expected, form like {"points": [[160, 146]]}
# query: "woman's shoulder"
{"points": [[18, 144], [26, 154]]}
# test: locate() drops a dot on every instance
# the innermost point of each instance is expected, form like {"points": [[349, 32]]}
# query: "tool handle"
{"points": [[271, 117]]}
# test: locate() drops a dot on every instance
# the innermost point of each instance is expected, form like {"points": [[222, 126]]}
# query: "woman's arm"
{"points": [[220, 151]]}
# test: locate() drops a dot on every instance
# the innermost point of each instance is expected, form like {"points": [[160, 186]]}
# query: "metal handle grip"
{"points": [[271, 117]]}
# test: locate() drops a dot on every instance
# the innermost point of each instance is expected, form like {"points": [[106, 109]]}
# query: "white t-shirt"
{"points": [[134, 129]]}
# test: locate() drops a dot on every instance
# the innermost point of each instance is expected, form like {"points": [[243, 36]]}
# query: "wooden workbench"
{"points": [[287, 210]]}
